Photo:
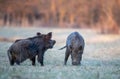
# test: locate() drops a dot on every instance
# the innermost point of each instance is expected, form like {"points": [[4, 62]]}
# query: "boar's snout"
{"points": [[76, 60], [75, 63], [52, 42]]}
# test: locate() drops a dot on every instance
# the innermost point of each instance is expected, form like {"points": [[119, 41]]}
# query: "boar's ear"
{"points": [[38, 33], [48, 36]]}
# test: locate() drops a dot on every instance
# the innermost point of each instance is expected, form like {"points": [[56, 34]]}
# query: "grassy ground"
{"points": [[101, 58]]}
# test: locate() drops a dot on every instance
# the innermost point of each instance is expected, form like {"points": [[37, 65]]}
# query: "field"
{"points": [[101, 58]]}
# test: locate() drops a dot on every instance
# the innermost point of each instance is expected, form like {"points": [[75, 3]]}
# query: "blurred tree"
{"points": [[103, 14]]}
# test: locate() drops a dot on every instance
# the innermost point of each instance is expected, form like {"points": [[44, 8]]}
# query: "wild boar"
{"points": [[29, 48], [74, 47]]}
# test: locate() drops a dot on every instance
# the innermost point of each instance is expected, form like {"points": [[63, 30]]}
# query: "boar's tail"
{"points": [[62, 48]]}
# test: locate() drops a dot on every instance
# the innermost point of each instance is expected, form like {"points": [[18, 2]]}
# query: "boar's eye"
{"points": [[80, 48]]}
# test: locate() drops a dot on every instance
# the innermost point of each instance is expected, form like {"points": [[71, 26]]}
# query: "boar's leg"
{"points": [[67, 53], [33, 61], [17, 62], [41, 61], [17, 58], [11, 58], [81, 56], [40, 58], [12, 62]]}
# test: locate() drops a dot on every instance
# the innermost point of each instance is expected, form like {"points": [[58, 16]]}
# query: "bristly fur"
{"points": [[29, 48]]}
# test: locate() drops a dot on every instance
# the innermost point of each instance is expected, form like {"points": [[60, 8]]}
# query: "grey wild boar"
{"points": [[29, 48], [74, 47]]}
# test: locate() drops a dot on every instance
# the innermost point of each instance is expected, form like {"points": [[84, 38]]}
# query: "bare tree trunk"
{"points": [[62, 15], [72, 19]]}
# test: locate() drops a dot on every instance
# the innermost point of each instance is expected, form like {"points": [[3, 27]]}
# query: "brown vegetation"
{"points": [[102, 14]]}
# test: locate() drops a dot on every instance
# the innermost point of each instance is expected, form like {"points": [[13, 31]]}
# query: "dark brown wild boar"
{"points": [[74, 47], [29, 48]]}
